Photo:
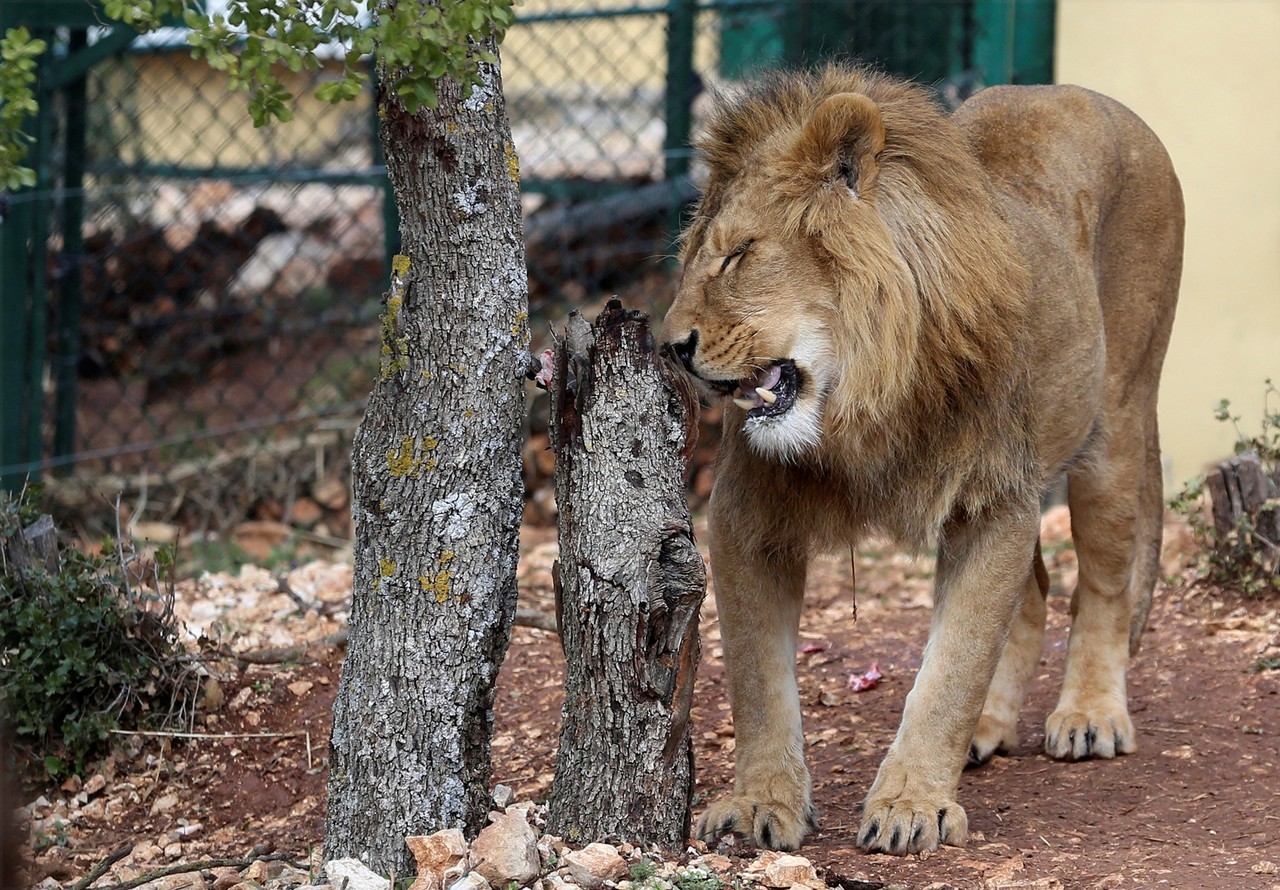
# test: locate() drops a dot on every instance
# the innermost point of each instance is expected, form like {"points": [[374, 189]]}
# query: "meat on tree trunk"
{"points": [[437, 489], [630, 585]]}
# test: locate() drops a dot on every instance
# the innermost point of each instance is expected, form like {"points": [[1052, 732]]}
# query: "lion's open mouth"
{"points": [[770, 392]]}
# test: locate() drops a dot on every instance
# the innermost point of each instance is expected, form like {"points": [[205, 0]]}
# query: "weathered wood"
{"points": [[1237, 487], [630, 585], [437, 494], [35, 546]]}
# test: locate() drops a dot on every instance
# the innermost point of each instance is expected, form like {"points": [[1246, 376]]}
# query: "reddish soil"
{"points": [[1197, 806]]}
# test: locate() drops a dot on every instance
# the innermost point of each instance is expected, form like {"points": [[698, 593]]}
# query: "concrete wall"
{"points": [[1205, 74]]}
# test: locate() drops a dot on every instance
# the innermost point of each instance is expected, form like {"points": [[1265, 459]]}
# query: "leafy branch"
{"points": [[414, 42]]}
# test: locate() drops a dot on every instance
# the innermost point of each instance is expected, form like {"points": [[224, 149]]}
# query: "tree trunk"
{"points": [[631, 582], [437, 489]]}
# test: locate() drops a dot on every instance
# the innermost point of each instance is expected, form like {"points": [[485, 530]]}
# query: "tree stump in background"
{"points": [[630, 585], [1239, 487]]}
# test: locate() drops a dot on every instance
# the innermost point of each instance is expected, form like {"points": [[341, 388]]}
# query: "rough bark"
{"points": [[630, 585], [1239, 487], [437, 490]]}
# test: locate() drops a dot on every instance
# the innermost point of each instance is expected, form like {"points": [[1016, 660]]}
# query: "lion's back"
{"points": [[1048, 143], [1093, 197]]}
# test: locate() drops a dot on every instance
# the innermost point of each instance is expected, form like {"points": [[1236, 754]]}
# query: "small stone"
{"points": [[95, 784], [300, 687], [715, 862], [95, 810], [506, 850], [172, 851], [146, 851], [261, 871], [225, 878], [185, 831], [787, 871], [1265, 867], [440, 857], [306, 512], [331, 493], [470, 881], [594, 864], [164, 804], [503, 796], [355, 874]]}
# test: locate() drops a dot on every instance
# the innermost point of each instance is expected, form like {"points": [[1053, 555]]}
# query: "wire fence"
{"points": [[198, 304]]}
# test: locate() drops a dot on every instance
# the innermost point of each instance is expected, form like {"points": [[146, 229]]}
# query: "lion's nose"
{"points": [[684, 350]]}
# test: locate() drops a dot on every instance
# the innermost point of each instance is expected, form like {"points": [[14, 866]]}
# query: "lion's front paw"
{"points": [[901, 825], [768, 824], [1077, 733], [994, 735]]}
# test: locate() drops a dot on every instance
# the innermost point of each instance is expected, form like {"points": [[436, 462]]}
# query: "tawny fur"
{"points": [[974, 303]]}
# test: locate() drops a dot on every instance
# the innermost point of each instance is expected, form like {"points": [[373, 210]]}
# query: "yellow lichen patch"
{"points": [[440, 584], [451, 126], [395, 347], [386, 568], [446, 556], [469, 413], [513, 163], [431, 463], [518, 328], [430, 443], [400, 265], [400, 461]]}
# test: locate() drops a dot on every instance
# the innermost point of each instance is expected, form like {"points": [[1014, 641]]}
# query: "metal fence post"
{"points": [[678, 104], [71, 290]]}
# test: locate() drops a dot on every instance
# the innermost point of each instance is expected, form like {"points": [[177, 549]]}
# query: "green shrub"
{"points": [[86, 648], [1245, 558]]}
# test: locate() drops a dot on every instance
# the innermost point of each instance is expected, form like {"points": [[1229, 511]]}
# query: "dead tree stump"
{"points": [[1240, 487], [630, 585]]}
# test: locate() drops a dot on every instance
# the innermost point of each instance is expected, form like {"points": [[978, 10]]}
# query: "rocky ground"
{"points": [[236, 802]]}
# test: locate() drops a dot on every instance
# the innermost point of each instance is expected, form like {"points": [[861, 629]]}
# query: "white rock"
{"points": [[506, 850], [503, 796], [352, 874], [440, 857], [594, 864], [470, 881], [787, 871]]}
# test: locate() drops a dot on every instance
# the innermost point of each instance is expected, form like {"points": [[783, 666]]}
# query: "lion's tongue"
{"points": [[749, 388]]}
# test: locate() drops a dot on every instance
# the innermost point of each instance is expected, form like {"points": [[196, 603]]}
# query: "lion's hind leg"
{"points": [[1110, 499], [997, 731]]}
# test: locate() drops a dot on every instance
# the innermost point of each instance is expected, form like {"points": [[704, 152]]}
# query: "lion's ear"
{"points": [[843, 140]]}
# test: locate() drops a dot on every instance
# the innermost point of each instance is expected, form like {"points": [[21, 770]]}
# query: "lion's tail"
{"points": [[1148, 535]]}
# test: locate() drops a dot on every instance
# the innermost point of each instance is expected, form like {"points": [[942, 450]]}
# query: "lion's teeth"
{"points": [[768, 397], [744, 404]]}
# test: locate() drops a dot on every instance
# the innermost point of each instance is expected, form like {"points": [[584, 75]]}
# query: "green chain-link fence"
{"points": [[189, 304]]}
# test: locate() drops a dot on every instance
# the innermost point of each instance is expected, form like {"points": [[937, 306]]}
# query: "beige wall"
{"points": [[1205, 74]]}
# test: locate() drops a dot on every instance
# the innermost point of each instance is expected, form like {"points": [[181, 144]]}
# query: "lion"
{"points": [[920, 322]]}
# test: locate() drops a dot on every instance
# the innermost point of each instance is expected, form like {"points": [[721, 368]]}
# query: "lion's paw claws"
{"points": [[992, 737], [769, 825], [1079, 734], [906, 826]]}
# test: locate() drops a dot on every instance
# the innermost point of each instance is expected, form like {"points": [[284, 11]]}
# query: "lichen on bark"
{"points": [[437, 491]]}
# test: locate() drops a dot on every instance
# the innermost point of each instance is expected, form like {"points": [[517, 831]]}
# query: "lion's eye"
{"points": [[735, 253]]}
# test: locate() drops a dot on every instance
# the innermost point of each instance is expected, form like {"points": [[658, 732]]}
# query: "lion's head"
{"points": [[846, 262]]}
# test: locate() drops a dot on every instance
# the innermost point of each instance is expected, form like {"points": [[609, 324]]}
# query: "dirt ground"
{"points": [[1197, 807]]}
